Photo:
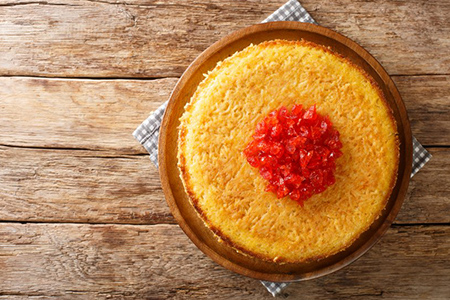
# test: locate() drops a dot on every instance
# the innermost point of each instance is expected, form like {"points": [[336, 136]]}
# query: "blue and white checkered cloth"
{"points": [[148, 132]]}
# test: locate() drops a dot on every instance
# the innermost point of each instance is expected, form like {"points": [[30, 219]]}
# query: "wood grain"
{"points": [[80, 186], [407, 37], [102, 114], [156, 39], [427, 99], [159, 262], [70, 156], [140, 39], [90, 114], [429, 191]]}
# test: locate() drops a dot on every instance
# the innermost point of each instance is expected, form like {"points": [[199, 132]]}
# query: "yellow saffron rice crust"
{"points": [[229, 195]]}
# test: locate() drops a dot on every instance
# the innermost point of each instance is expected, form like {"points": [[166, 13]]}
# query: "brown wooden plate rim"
{"points": [[405, 151]]}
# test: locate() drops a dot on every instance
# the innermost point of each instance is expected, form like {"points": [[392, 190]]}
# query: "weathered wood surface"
{"points": [[102, 114], [427, 100], [156, 39], [79, 186], [97, 115], [67, 154], [85, 186], [159, 262]]}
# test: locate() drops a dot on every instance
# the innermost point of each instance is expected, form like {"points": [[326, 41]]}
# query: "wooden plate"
{"points": [[173, 188]]}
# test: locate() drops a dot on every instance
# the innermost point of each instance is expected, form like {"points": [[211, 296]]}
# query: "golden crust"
{"points": [[233, 206]]}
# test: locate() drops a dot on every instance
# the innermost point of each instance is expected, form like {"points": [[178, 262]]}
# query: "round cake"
{"points": [[230, 195]]}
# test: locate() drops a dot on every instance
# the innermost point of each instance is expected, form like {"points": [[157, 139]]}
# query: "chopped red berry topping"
{"points": [[295, 152]]}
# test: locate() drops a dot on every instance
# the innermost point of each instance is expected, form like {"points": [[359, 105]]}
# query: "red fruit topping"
{"points": [[295, 152]]}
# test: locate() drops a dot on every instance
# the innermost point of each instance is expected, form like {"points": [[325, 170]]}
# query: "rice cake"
{"points": [[229, 195]]}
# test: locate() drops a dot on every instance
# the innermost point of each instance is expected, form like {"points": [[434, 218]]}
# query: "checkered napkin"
{"points": [[148, 132]]}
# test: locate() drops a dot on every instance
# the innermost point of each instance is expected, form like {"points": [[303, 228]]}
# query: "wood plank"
{"points": [[407, 37], [90, 114], [427, 100], [102, 114], [159, 262], [429, 192], [80, 186], [115, 38], [144, 38]]}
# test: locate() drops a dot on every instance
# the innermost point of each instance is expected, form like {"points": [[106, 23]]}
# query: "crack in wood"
{"points": [[397, 225], [419, 74], [48, 148], [115, 155], [84, 78], [56, 222], [36, 2], [436, 146]]}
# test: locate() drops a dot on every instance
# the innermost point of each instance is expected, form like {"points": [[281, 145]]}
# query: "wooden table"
{"points": [[82, 211]]}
